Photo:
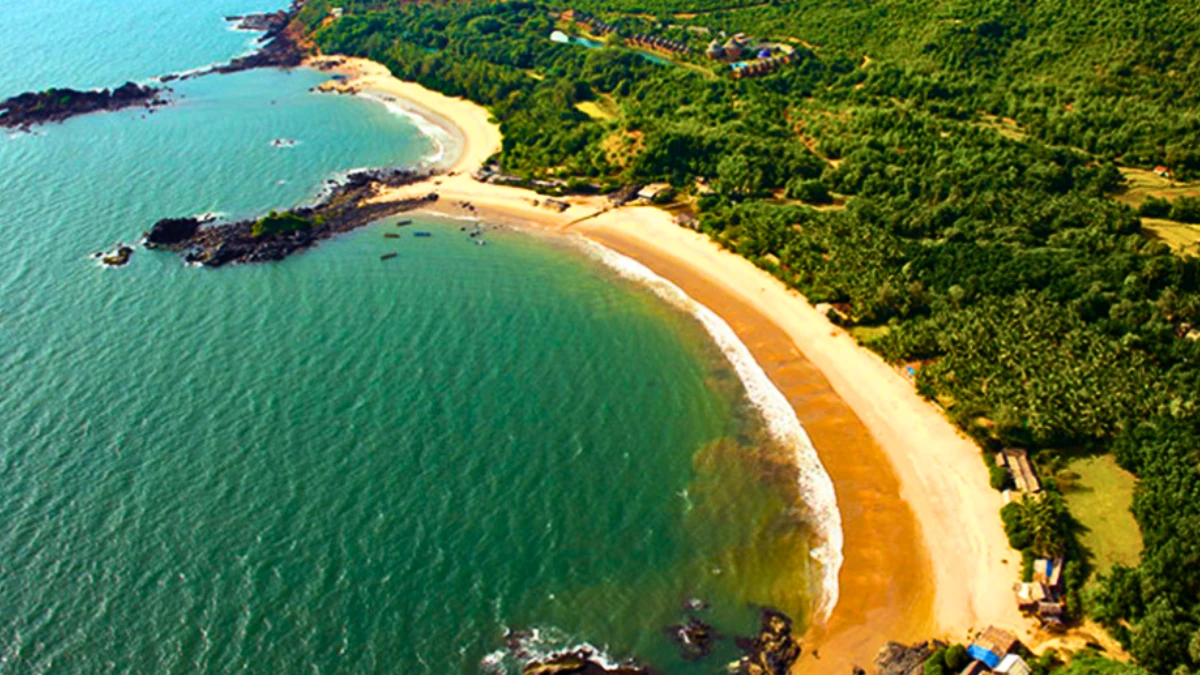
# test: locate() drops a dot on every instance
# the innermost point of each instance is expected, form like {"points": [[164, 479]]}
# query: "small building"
{"points": [[1012, 665], [715, 50], [556, 205], [568, 16], [337, 12], [655, 191], [992, 645], [1023, 476], [1049, 572], [1163, 171], [975, 668], [624, 195], [1030, 595]]}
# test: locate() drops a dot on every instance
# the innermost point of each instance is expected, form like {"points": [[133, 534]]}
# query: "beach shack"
{"points": [[1049, 572], [1017, 461], [655, 191], [1013, 665], [992, 645]]}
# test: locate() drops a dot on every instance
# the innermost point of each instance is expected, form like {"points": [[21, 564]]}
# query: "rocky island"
{"points": [[348, 205], [56, 105]]}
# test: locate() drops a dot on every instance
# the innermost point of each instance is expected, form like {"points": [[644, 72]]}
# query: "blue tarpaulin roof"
{"points": [[987, 656]]}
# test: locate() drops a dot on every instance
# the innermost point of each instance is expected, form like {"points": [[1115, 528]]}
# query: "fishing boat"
{"points": [[390, 235], [388, 256], [422, 234], [402, 223]]}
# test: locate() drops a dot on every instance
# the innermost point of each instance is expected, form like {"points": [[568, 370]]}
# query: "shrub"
{"points": [[1019, 536], [808, 191], [275, 224], [998, 477], [1155, 207], [1186, 210]]}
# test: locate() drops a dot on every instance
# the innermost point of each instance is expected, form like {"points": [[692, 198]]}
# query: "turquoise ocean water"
{"points": [[336, 464]]}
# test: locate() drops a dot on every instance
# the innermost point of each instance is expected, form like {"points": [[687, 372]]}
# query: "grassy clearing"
{"points": [[1141, 183], [1181, 237], [594, 110], [1099, 494], [865, 334]]}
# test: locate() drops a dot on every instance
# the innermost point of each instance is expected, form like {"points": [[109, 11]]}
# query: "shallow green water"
{"points": [[335, 463]]}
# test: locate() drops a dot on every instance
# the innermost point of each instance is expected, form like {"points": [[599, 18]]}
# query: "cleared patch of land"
{"points": [[1181, 237], [1099, 494], [597, 110], [1142, 184]]}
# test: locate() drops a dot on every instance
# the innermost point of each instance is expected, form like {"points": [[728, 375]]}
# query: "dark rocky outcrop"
{"points": [[118, 257], [56, 105], [580, 662], [347, 206], [281, 43], [899, 659], [774, 650], [695, 638], [171, 231]]}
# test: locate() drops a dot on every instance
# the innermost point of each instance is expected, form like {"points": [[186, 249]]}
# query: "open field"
{"points": [[1143, 184], [1181, 237], [1100, 499]]}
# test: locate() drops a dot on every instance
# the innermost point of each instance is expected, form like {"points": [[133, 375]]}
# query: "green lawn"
{"points": [[1100, 498]]}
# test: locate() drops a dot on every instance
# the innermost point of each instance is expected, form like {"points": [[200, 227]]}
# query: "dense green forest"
{"points": [[965, 158]]}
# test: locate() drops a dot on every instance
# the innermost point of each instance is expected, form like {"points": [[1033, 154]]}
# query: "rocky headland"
{"points": [[347, 206], [281, 43], [56, 105]]}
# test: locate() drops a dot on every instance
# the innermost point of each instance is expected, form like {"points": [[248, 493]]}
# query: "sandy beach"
{"points": [[925, 552]]}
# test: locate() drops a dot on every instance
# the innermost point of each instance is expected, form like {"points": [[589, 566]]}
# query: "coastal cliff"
{"points": [[349, 205]]}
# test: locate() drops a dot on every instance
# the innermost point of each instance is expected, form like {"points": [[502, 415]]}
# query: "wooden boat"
{"points": [[389, 235], [388, 256], [402, 223], [422, 234]]}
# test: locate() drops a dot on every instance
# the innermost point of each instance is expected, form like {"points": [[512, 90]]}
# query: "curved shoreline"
{"points": [[927, 556], [784, 426]]}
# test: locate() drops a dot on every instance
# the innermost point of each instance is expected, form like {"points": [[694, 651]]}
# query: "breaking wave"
{"points": [[816, 487], [443, 139]]}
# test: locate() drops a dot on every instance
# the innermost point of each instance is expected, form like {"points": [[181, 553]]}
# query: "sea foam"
{"points": [[816, 487], [441, 137]]}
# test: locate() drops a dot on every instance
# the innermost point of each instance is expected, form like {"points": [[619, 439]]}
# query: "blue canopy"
{"points": [[987, 656]]}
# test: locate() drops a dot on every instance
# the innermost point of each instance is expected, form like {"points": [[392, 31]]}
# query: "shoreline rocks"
{"points": [[774, 650], [57, 105], [579, 662], [281, 44], [347, 206]]}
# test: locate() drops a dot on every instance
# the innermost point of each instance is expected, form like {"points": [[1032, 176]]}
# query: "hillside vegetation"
{"points": [[975, 148]]}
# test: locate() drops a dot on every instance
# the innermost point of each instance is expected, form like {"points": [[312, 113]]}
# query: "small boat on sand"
{"points": [[388, 256]]}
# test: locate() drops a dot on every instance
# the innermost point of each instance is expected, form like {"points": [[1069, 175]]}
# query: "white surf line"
{"points": [[816, 487]]}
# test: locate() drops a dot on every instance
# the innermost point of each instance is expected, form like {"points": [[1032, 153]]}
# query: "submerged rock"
{"points": [[774, 650], [695, 638], [580, 662], [118, 257]]}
